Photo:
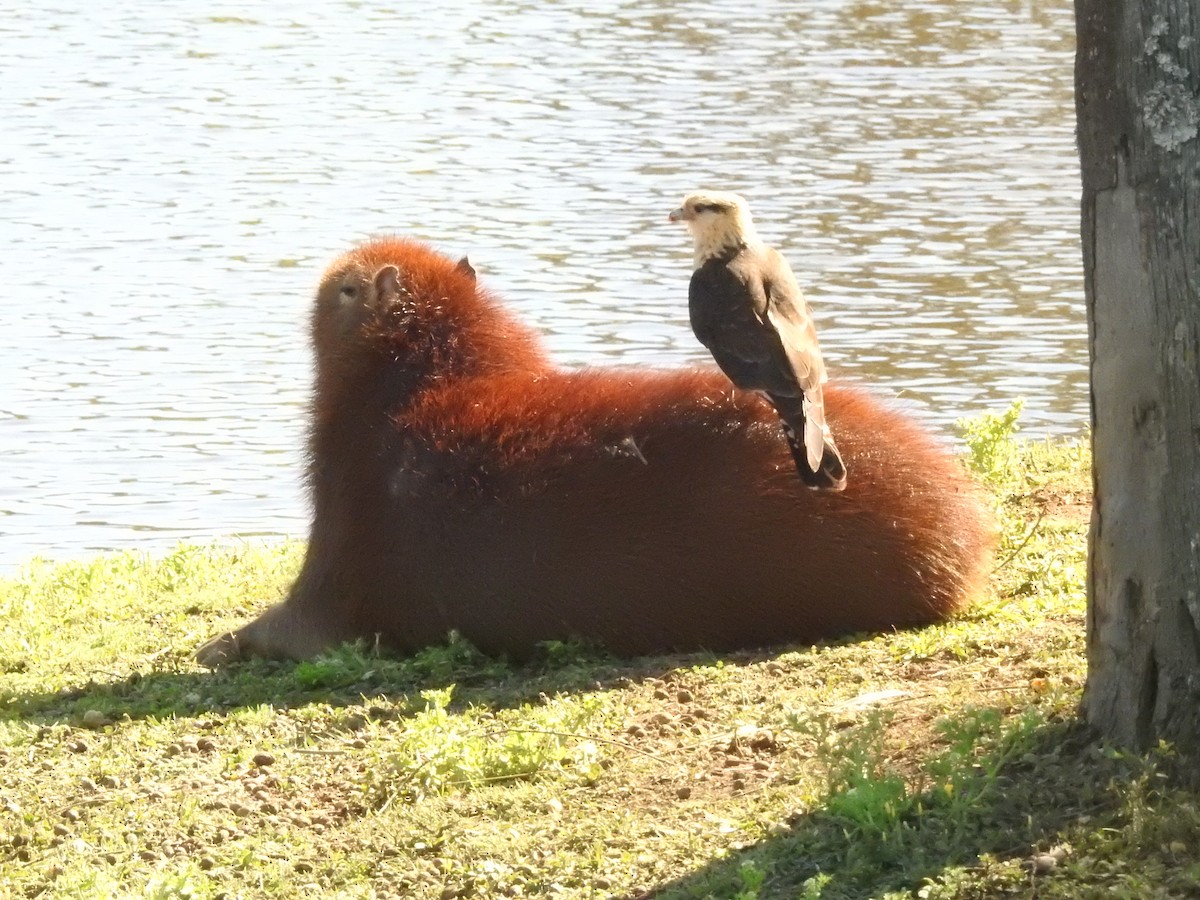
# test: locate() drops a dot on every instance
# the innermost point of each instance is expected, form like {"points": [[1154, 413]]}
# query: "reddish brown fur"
{"points": [[461, 481]]}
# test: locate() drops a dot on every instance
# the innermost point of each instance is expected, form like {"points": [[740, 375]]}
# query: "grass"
{"points": [[946, 762]]}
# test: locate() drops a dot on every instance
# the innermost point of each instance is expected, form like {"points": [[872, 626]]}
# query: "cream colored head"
{"points": [[718, 220]]}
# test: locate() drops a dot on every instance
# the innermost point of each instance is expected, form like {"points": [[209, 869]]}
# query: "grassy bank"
{"points": [[945, 762]]}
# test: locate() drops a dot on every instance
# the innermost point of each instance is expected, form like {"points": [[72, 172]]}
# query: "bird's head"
{"points": [[718, 220]]}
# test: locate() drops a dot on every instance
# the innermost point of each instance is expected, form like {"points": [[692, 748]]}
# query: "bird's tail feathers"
{"points": [[816, 456]]}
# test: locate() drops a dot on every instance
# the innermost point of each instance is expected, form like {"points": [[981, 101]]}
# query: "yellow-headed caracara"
{"points": [[748, 310]]}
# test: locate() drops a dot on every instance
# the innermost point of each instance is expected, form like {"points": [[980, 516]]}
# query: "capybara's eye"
{"points": [[349, 291]]}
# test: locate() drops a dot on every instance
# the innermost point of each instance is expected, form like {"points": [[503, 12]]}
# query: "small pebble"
{"points": [[1042, 863], [684, 696], [61, 830], [754, 737], [683, 792], [264, 759], [206, 745], [109, 781], [207, 862], [94, 718], [147, 855]]}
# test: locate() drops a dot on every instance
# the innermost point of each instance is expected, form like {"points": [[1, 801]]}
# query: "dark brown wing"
{"points": [[727, 304], [750, 314], [789, 316]]}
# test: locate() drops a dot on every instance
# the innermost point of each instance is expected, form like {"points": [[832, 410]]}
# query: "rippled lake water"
{"points": [[175, 175]]}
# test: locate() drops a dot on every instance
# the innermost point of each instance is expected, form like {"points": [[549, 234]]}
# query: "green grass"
{"points": [[946, 762]]}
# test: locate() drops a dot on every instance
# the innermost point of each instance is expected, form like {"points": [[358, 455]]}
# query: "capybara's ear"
{"points": [[387, 284], [464, 266]]}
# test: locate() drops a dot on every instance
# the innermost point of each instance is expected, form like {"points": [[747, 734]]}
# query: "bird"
{"points": [[747, 308]]}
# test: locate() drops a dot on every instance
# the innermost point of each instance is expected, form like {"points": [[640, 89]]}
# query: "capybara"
{"points": [[462, 481]]}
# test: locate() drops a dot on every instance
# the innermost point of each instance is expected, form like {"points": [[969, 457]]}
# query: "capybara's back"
{"points": [[460, 481]]}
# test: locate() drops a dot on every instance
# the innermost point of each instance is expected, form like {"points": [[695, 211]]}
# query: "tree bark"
{"points": [[1137, 80]]}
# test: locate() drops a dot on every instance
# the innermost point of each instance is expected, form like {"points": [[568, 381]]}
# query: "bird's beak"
{"points": [[677, 215]]}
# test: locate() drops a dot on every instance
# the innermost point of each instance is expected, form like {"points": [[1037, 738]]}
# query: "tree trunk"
{"points": [[1137, 80]]}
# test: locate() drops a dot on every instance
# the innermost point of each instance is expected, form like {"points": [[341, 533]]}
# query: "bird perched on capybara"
{"points": [[460, 480], [747, 309]]}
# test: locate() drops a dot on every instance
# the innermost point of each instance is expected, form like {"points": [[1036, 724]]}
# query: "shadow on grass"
{"points": [[948, 847], [346, 676]]}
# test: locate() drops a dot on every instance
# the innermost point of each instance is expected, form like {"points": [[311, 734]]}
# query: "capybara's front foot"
{"points": [[279, 633], [224, 648]]}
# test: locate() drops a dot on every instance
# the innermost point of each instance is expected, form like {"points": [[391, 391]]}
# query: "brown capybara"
{"points": [[462, 481]]}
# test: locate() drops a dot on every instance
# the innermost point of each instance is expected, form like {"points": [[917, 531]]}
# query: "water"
{"points": [[175, 177]]}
